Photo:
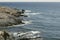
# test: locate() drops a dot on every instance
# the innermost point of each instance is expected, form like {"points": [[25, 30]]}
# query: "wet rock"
{"points": [[23, 10]]}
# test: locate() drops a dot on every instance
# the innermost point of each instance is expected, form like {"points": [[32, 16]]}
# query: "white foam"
{"points": [[30, 34], [27, 10], [35, 32], [35, 13], [26, 22], [32, 13]]}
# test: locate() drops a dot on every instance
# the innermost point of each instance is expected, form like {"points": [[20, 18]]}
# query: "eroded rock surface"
{"points": [[10, 16]]}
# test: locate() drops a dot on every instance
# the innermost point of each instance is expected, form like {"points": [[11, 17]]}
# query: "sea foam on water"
{"points": [[30, 34]]}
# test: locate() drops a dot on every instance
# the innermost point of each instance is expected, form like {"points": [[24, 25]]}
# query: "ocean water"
{"points": [[42, 16]]}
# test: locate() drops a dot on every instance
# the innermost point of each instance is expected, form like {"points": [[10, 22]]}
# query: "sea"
{"points": [[42, 16]]}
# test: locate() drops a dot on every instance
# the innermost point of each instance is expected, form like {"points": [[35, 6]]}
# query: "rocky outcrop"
{"points": [[10, 16], [32, 35]]}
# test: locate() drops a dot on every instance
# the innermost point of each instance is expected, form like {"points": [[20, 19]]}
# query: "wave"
{"points": [[32, 13], [28, 11], [26, 22], [18, 25], [35, 13], [30, 34]]}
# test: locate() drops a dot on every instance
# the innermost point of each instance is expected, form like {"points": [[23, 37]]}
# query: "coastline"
{"points": [[10, 16]]}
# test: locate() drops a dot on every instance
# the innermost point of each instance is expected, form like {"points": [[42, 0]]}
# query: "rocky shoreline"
{"points": [[10, 16], [31, 35]]}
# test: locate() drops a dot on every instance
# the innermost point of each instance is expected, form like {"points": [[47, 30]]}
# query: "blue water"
{"points": [[45, 17]]}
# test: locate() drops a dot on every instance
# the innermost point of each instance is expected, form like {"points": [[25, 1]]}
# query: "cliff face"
{"points": [[9, 16]]}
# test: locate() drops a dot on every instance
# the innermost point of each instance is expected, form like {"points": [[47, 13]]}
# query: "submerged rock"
{"points": [[10, 16]]}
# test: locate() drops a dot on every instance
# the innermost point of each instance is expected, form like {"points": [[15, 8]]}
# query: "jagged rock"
{"points": [[10, 16]]}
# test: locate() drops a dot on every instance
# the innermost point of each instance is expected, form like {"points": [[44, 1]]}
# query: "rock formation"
{"points": [[10, 16], [5, 35]]}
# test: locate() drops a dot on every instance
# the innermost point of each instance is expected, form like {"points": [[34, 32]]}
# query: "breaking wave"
{"points": [[26, 22], [28, 11], [32, 13], [30, 34]]}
